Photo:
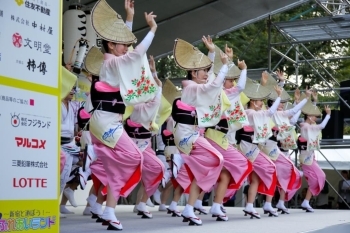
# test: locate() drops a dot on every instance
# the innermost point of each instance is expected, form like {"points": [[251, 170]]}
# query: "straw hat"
{"points": [[170, 91], [255, 91], [288, 106], [109, 25], [68, 80], [93, 61], [310, 110], [271, 82], [188, 57], [233, 73]]}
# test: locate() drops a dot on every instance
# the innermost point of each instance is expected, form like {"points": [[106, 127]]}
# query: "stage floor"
{"points": [[321, 221]]}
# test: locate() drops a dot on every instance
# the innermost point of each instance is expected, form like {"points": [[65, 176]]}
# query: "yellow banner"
{"points": [[28, 216]]}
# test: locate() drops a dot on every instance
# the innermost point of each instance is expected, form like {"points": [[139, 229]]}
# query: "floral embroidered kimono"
{"points": [[258, 133], [200, 107], [139, 128], [232, 119], [124, 80], [308, 142]]}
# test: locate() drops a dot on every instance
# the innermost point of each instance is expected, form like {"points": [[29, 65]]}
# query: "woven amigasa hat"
{"points": [[170, 92], [310, 109], [255, 91], [233, 71], [68, 80], [93, 61], [109, 25], [188, 57], [271, 82], [288, 106]]}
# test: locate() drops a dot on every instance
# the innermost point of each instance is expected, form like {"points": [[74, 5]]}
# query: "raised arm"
{"points": [[218, 82], [243, 77], [326, 119], [274, 107], [295, 118], [296, 108], [208, 42], [130, 11]]}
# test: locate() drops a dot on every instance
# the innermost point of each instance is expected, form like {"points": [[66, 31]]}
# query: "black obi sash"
{"points": [[83, 123], [106, 101], [301, 145], [168, 140], [183, 116], [137, 132], [245, 136], [222, 126], [274, 138]]}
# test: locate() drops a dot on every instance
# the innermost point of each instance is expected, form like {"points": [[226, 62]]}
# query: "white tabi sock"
{"points": [[198, 203], [173, 205], [268, 206], [97, 209], [108, 214]]}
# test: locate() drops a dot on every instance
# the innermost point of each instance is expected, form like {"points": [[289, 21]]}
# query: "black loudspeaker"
{"points": [[335, 126], [345, 94]]}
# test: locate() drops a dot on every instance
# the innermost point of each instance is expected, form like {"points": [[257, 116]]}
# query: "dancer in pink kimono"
{"points": [[236, 166], [121, 158], [308, 142], [288, 176], [263, 179], [139, 129], [204, 162]]}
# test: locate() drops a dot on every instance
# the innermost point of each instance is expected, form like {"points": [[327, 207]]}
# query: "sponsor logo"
{"points": [[29, 183], [15, 121], [30, 143], [22, 119], [17, 40]]}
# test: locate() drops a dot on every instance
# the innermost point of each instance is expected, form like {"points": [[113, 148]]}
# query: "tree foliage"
{"points": [[250, 43]]}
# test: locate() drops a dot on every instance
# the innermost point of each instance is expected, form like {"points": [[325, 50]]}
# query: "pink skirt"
{"points": [[204, 164], [62, 161], [99, 176], [266, 171], [236, 164], [152, 171], [182, 178], [286, 172], [122, 164], [315, 177], [295, 186]]}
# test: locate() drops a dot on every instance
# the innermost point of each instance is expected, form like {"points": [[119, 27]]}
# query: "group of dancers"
{"points": [[212, 136]]}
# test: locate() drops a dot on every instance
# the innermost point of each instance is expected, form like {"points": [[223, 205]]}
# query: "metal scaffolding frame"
{"points": [[296, 33]]}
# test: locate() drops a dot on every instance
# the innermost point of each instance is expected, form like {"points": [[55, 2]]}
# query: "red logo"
{"points": [[29, 183], [15, 121], [30, 143], [17, 40], [31, 102]]}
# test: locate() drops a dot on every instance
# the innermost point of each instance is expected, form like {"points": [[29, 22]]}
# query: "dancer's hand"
{"points": [[229, 52], [278, 90], [130, 10], [280, 75], [327, 109], [224, 58], [152, 64], [241, 65], [314, 95], [208, 43], [150, 19], [264, 78]]}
